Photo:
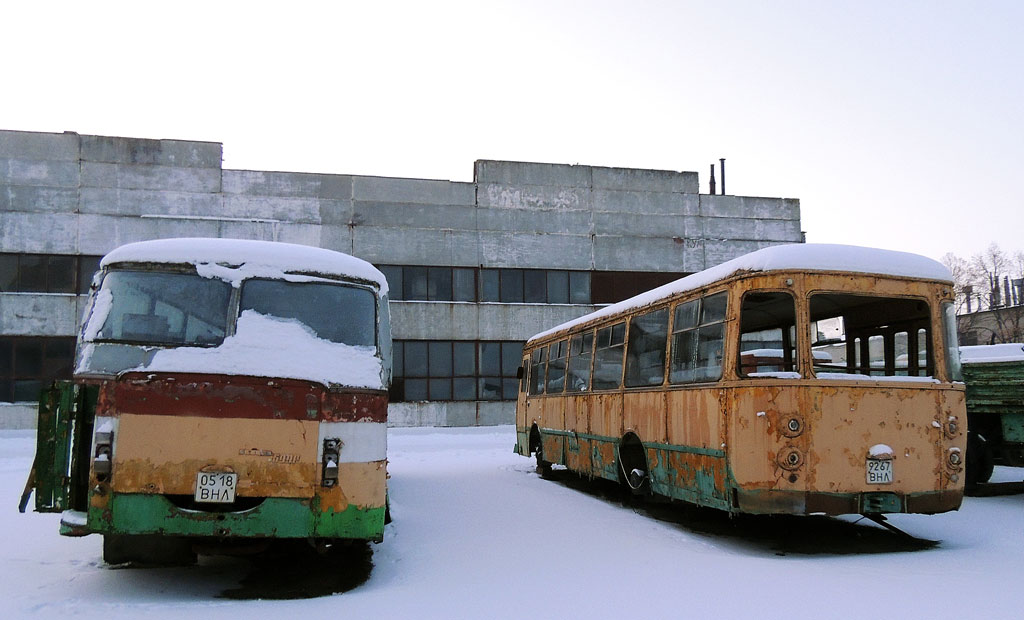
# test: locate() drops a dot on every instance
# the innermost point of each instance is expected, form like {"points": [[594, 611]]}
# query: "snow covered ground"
{"points": [[477, 534]]}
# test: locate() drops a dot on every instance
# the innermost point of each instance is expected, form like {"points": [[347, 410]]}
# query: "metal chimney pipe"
{"points": [[1006, 287], [968, 291], [712, 192], [722, 164]]}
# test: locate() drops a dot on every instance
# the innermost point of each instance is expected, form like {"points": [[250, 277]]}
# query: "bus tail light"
{"points": [[329, 474]]}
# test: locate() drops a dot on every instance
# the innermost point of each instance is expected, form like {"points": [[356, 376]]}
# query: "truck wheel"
{"points": [[150, 550], [979, 465]]}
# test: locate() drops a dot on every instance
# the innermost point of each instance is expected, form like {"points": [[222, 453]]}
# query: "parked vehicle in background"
{"points": [[225, 393], [795, 379], [994, 375]]}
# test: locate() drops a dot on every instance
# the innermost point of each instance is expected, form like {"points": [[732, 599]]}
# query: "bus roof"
{"points": [[246, 258], [803, 256]]}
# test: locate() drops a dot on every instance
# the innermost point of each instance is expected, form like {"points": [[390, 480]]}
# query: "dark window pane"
{"points": [[397, 356], [686, 315], [440, 284], [465, 359], [558, 287], [511, 358], [713, 308], [8, 272], [440, 389], [61, 274], [440, 354], [464, 388], [28, 357], [33, 273], [556, 367], [580, 354], [490, 358], [579, 287], [415, 389], [6, 357], [58, 356], [415, 286], [490, 388], [87, 267], [463, 284], [535, 286], [645, 355], [27, 390], [608, 360], [355, 322], [489, 285], [512, 285], [393, 273], [6, 390], [537, 367], [415, 359], [508, 389]]}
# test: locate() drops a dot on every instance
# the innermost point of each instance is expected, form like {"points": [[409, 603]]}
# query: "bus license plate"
{"points": [[218, 487], [879, 471]]}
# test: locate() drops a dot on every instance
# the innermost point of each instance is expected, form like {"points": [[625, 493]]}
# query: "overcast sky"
{"points": [[897, 124]]}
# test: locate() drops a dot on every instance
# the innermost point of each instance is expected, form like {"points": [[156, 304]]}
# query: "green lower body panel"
{"points": [[131, 513]]}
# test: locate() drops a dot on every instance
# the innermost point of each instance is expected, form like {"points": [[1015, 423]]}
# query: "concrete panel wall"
{"points": [[71, 194]]}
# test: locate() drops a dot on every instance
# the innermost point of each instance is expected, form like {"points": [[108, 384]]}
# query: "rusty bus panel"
{"points": [[694, 418], [644, 414], [701, 479], [606, 414]]}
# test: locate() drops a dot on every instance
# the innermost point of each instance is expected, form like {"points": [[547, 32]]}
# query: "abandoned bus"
{"points": [[796, 379], [225, 393]]}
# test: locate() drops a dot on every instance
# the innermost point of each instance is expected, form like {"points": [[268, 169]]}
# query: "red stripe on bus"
{"points": [[219, 396]]}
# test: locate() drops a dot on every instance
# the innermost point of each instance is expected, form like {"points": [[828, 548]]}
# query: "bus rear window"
{"points": [[868, 335]]}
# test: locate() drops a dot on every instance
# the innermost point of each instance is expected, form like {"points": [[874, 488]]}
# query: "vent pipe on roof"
{"points": [[722, 164], [712, 192]]}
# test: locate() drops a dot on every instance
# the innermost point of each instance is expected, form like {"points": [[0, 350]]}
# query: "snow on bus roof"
{"points": [[810, 256], [246, 258], [987, 353]]}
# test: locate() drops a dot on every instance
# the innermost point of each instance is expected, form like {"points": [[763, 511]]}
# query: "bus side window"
{"points": [[767, 334], [608, 359], [581, 352], [645, 353], [698, 337], [537, 367], [556, 366]]}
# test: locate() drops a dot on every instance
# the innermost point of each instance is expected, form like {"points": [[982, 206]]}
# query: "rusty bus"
{"points": [[225, 393], [994, 375], [796, 379]]}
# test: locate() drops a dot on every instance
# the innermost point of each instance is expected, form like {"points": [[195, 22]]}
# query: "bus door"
{"points": [[60, 471]]}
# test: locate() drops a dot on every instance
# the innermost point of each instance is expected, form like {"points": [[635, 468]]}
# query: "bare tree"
{"points": [[988, 295]]}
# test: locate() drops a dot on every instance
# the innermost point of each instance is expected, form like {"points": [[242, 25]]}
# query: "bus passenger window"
{"points": [[537, 367], [768, 335], [608, 359], [581, 352], [645, 354], [698, 336], [556, 367]]}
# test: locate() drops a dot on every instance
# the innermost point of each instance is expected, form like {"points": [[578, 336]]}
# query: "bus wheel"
{"points": [[537, 447], [979, 465], [153, 550], [633, 471]]}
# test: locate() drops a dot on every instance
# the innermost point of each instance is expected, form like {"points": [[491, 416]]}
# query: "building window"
{"points": [[28, 364], [532, 286], [47, 273], [447, 370]]}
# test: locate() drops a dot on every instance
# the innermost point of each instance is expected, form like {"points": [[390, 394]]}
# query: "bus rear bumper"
{"points": [[799, 502], [137, 513]]}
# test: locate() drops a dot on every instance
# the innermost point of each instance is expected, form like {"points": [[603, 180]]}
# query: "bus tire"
{"points": [[151, 550], [537, 446], [633, 472], [980, 462]]}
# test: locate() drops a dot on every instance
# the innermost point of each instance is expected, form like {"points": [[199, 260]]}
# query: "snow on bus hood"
{"points": [[265, 346]]}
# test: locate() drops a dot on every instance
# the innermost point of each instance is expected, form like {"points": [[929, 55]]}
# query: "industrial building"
{"points": [[474, 268]]}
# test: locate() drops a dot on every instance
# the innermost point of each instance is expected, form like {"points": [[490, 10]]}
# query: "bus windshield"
{"points": [[163, 308], [335, 312]]}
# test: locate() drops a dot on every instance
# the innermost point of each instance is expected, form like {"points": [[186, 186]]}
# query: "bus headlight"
{"points": [[329, 473]]}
